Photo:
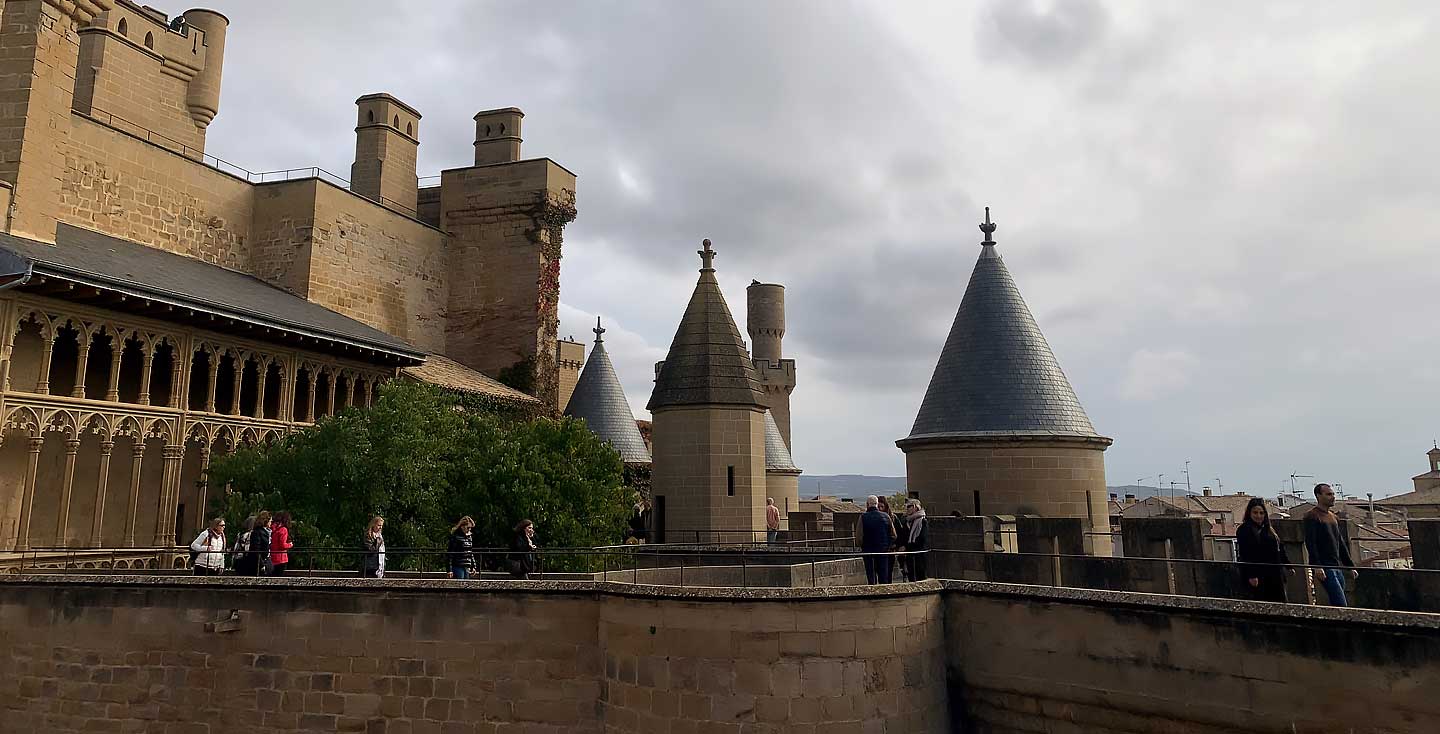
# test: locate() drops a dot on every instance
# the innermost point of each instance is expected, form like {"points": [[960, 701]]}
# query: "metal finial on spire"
{"points": [[988, 228], [599, 331], [707, 256]]}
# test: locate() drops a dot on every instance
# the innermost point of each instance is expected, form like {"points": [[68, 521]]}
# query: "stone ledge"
{"points": [[1199, 604]]}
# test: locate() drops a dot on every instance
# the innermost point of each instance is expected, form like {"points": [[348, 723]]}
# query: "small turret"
{"points": [[497, 136], [202, 94], [387, 141]]}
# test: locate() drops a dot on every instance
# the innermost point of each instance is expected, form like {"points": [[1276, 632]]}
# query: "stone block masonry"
{"points": [[169, 654]]}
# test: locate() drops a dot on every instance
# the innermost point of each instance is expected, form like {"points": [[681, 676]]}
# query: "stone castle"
{"points": [[166, 305]]}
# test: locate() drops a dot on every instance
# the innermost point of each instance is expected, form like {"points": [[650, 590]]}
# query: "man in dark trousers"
{"points": [[1327, 546], [877, 535]]}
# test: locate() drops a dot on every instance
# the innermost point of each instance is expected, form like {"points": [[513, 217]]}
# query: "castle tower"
{"points": [[765, 320], [782, 477], [1000, 430], [599, 399], [708, 424], [507, 220], [387, 141], [569, 357]]}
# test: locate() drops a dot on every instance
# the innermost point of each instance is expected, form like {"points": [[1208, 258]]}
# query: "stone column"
{"points": [[145, 366], [97, 531], [287, 401], [169, 495], [334, 387], [210, 387], [204, 482], [27, 494], [7, 349], [138, 458], [117, 352], [177, 389], [261, 368], [62, 522], [80, 364], [235, 394], [43, 385], [310, 396]]}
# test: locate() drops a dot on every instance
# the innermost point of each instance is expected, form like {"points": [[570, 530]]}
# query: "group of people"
{"points": [[1264, 565], [263, 548], [882, 532]]}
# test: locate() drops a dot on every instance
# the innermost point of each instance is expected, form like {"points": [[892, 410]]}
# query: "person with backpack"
{"points": [[461, 550], [207, 551], [260, 538], [243, 563]]}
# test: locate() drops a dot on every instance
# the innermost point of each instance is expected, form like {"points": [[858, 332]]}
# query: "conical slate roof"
{"points": [[707, 363], [777, 457], [599, 399], [996, 375]]}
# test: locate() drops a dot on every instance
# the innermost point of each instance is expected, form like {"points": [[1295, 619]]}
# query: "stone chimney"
{"points": [[387, 139], [497, 136], [1206, 491], [1130, 498]]}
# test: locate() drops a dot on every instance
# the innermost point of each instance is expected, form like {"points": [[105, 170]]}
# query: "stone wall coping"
{"points": [[1003, 439], [1199, 604], [1091, 597]]}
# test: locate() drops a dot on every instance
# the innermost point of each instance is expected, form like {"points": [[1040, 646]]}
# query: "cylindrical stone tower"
{"points": [[202, 94], [1000, 430], [765, 321]]}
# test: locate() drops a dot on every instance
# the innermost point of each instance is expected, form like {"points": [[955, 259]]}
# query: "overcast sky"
{"points": [[1223, 215]]}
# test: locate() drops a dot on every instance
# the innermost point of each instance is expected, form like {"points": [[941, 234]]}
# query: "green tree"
{"points": [[420, 458]]}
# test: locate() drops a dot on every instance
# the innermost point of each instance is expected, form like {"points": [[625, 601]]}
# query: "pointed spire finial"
{"points": [[988, 228], [707, 256], [599, 331]]}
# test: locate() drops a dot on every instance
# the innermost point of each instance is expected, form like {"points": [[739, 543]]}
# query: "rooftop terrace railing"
{"points": [[162, 140]]}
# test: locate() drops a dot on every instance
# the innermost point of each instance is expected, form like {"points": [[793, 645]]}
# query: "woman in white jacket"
{"points": [[208, 549]]}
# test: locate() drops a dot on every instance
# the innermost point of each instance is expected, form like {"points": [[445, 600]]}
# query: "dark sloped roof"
{"points": [[83, 256], [996, 375], [599, 399], [707, 363], [777, 456]]}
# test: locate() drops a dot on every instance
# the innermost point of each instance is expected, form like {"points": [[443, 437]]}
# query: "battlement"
{"points": [[775, 372]]}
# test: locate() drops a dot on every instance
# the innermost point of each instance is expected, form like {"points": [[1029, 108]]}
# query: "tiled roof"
{"points": [[91, 258], [996, 374], [600, 401], [1423, 497], [777, 456], [707, 363], [444, 372]]}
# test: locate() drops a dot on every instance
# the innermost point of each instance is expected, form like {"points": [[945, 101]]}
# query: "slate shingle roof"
{"points": [[81, 255], [600, 400], [444, 372], [996, 375], [707, 363], [777, 456]]}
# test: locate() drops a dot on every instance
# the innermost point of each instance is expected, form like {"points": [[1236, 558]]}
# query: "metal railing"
{"points": [[257, 177]]}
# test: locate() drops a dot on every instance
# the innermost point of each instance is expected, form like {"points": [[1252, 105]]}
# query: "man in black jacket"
{"points": [[1327, 546]]}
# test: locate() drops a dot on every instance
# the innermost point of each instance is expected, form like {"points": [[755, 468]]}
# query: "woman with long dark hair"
{"points": [[524, 560], [1261, 554], [280, 544]]}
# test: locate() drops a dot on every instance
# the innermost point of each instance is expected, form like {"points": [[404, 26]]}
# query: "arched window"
{"points": [[371, 113], [502, 128], [149, 40], [409, 130], [396, 123], [124, 27]]}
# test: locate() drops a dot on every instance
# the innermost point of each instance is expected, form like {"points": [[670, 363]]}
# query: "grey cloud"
{"points": [[1042, 34]]}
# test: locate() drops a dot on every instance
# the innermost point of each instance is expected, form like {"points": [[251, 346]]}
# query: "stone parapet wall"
{"points": [[87, 653]]}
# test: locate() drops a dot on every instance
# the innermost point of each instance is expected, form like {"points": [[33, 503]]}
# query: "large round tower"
{"points": [[1000, 430]]}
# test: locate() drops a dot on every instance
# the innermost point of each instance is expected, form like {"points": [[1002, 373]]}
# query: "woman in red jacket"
{"points": [[280, 544]]}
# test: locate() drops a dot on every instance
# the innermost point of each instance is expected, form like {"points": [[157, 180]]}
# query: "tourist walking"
{"points": [[372, 564], [772, 521], [902, 533], [524, 559], [877, 535], [280, 544], [1261, 554], [207, 551], [916, 541], [1327, 547], [462, 549], [260, 537], [244, 563]]}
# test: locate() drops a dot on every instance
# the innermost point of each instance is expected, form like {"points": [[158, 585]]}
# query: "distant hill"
{"points": [[853, 486]]}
